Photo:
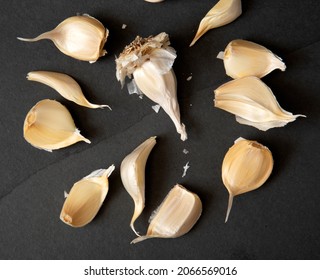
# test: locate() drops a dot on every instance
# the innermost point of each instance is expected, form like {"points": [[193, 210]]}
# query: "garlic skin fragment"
{"points": [[246, 166], [81, 37], [132, 171], [63, 84], [49, 126], [176, 215], [243, 58], [224, 12], [149, 61], [253, 103], [85, 198]]}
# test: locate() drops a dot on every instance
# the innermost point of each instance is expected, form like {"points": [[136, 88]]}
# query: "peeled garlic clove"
{"points": [[253, 103], [176, 215], [132, 171], [85, 198], [243, 58], [246, 167], [149, 61], [63, 84], [49, 126], [81, 37], [224, 12]]}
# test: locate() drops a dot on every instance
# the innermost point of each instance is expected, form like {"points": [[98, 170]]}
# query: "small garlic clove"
{"points": [[246, 166], [49, 126], [224, 12], [253, 103], [85, 198], [243, 58], [154, 1], [63, 84], [81, 37], [176, 215], [132, 171]]}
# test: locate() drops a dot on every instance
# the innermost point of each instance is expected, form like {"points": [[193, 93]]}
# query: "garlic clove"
{"points": [[154, 1], [132, 171], [224, 12], [85, 198], [246, 166], [149, 61], [49, 126], [81, 37], [253, 103], [243, 58], [176, 215], [63, 84]]}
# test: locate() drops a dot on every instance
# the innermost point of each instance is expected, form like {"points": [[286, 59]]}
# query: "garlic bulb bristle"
{"points": [[64, 85]]}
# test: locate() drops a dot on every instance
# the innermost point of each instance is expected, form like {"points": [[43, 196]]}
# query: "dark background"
{"points": [[278, 221]]}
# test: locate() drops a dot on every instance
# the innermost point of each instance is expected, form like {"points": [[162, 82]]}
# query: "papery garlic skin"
{"points": [[176, 215], [132, 171], [49, 126], [81, 37], [253, 103], [224, 12], [149, 61], [85, 198], [243, 58], [246, 166], [63, 84]]}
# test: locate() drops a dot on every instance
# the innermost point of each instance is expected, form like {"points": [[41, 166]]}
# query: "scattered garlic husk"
{"points": [[81, 37], [246, 167], [85, 198], [63, 84], [176, 215], [224, 12], [149, 61], [49, 126], [243, 58], [132, 171], [253, 103]]}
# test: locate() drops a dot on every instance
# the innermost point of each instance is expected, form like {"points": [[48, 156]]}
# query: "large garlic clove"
{"points": [[81, 37], [49, 126], [176, 215], [246, 166], [253, 103], [149, 61], [224, 12], [63, 84], [132, 173], [85, 198], [243, 58]]}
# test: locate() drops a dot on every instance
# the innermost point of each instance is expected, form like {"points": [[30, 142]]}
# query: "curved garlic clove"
{"points": [[63, 84], [224, 12], [81, 37], [149, 61], [85, 198], [176, 215], [246, 166], [49, 126], [253, 103], [243, 58], [132, 171], [154, 1]]}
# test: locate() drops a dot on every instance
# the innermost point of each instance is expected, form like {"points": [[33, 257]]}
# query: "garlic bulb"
{"points": [[85, 198], [253, 103], [81, 37], [49, 126], [132, 173], [224, 12], [246, 167], [149, 61], [176, 215], [243, 58], [63, 84]]}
